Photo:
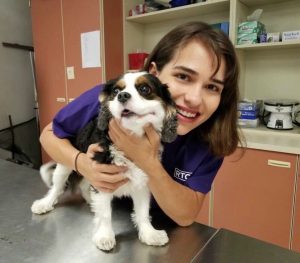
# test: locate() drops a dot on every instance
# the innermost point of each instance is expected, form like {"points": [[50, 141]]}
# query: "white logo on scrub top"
{"points": [[181, 175]]}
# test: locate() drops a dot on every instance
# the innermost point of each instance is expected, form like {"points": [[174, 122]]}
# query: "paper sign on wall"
{"points": [[90, 49]]}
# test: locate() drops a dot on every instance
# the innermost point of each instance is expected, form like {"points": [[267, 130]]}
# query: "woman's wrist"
{"points": [[153, 169], [76, 162], [80, 163]]}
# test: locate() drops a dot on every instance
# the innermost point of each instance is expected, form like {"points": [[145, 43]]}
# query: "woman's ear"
{"points": [[153, 69]]}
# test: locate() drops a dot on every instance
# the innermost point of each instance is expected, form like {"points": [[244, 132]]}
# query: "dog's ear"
{"points": [[104, 117], [169, 130], [104, 114], [170, 123]]}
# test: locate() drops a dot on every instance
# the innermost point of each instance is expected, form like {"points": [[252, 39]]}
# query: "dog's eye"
{"points": [[115, 90], [145, 90]]}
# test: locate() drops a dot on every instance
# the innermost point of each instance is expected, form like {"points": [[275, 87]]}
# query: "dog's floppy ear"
{"points": [[170, 123], [104, 117], [105, 114], [169, 130]]}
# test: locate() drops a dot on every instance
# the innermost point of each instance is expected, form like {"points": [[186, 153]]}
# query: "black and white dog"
{"points": [[135, 99]]}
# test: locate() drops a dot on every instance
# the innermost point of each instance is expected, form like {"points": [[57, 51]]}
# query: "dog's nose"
{"points": [[123, 96]]}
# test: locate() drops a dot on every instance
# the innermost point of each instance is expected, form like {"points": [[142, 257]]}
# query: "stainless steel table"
{"points": [[64, 235], [229, 247]]}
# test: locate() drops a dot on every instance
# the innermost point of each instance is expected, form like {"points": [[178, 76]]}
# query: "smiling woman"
{"points": [[199, 67]]}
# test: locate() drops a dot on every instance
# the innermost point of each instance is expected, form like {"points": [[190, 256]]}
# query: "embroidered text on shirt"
{"points": [[181, 175]]}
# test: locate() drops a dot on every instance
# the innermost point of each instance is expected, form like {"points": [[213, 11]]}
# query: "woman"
{"points": [[200, 67]]}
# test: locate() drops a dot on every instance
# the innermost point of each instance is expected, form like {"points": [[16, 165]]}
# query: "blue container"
{"points": [[176, 3]]}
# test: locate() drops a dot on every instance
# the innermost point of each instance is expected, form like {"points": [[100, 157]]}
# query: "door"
{"points": [[296, 230], [254, 195]]}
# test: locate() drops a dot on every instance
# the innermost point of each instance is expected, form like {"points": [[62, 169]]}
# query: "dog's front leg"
{"points": [[46, 204], [104, 236], [147, 233]]}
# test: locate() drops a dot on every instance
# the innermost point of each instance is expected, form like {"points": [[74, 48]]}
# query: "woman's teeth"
{"points": [[186, 114]]}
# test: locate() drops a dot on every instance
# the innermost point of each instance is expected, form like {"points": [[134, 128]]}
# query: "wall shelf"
{"points": [[274, 45], [181, 12]]}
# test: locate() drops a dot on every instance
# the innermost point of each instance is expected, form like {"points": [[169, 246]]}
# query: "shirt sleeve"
{"points": [[74, 116], [204, 175]]}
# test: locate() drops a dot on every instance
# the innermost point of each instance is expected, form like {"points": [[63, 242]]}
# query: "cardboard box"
{"points": [[248, 123], [250, 105], [248, 115], [290, 35]]}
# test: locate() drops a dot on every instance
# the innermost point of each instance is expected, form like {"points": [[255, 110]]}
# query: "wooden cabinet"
{"points": [[296, 221], [57, 27], [49, 57], [78, 17], [253, 195], [113, 38]]}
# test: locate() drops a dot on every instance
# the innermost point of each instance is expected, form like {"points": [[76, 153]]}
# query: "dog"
{"points": [[136, 99]]}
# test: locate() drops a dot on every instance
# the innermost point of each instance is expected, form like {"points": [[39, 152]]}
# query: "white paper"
{"points": [[90, 49]]}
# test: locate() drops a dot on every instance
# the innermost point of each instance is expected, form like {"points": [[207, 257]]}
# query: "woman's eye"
{"points": [[145, 90], [183, 77], [214, 88]]}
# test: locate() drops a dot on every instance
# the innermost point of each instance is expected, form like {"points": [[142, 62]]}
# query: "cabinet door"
{"points": [[79, 17], [113, 38], [49, 58], [296, 232], [254, 197]]}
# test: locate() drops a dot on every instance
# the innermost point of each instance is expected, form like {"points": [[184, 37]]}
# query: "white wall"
{"points": [[16, 81]]}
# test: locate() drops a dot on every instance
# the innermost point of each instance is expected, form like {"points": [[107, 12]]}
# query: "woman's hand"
{"points": [[141, 150], [105, 177]]}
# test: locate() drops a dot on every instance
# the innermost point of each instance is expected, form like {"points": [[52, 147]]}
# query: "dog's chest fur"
{"points": [[90, 134], [137, 178]]}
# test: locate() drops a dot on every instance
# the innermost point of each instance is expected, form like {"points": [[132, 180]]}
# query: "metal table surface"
{"points": [[64, 235], [230, 247]]}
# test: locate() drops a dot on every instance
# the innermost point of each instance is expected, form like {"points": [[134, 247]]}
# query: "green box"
{"points": [[248, 27], [247, 38]]}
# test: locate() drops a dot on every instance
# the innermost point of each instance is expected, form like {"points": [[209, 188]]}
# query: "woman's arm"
{"points": [[179, 202], [104, 177]]}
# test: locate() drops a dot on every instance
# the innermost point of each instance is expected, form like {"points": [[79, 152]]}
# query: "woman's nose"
{"points": [[194, 96]]}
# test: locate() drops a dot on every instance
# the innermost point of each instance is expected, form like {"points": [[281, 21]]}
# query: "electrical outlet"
{"points": [[70, 73]]}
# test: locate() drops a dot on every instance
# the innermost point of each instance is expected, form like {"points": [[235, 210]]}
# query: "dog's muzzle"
{"points": [[123, 96]]}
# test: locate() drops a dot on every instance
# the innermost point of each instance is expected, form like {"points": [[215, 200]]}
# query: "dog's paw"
{"points": [[104, 242], [154, 237], [41, 207]]}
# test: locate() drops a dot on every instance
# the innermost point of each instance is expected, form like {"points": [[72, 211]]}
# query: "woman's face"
{"points": [[189, 77]]}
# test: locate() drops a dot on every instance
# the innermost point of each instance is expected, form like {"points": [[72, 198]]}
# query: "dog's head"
{"points": [[136, 99]]}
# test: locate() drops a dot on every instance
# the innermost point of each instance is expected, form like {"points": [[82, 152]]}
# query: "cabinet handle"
{"points": [[71, 99], [61, 99], [279, 163]]}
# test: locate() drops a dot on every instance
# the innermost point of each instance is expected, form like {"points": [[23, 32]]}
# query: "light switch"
{"points": [[61, 99], [70, 73]]}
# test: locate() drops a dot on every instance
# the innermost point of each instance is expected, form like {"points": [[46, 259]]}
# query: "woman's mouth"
{"points": [[186, 114]]}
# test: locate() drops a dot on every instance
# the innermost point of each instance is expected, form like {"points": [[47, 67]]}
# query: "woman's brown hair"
{"points": [[220, 131]]}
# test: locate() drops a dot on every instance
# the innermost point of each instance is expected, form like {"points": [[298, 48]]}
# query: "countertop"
{"points": [[64, 235], [263, 138]]}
